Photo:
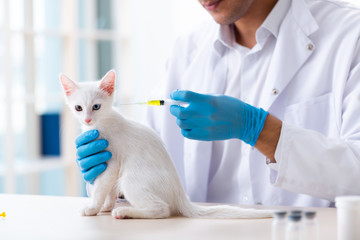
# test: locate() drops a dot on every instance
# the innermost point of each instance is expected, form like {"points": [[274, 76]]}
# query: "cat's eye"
{"points": [[78, 108], [96, 107]]}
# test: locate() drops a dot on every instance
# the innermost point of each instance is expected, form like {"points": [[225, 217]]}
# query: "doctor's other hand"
{"points": [[90, 155], [217, 117]]}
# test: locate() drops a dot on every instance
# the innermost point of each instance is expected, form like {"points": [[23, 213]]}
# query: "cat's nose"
{"points": [[88, 120]]}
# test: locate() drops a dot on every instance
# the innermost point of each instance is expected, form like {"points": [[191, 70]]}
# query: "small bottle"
{"points": [[311, 226], [278, 226], [294, 228], [348, 217]]}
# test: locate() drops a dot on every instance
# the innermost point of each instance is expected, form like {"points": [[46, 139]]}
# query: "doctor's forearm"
{"points": [[269, 137]]}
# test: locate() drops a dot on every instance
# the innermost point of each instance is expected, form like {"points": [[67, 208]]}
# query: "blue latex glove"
{"points": [[91, 157], [217, 117]]}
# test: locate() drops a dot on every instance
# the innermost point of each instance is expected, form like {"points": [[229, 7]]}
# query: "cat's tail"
{"points": [[192, 210]]}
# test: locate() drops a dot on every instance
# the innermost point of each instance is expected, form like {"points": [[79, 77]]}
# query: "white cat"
{"points": [[140, 167]]}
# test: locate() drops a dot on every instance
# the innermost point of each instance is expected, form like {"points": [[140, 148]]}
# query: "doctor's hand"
{"points": [[91, 157], [217, 117]]}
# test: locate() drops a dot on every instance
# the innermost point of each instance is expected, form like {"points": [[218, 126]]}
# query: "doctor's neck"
{"points": [[247, 25]]}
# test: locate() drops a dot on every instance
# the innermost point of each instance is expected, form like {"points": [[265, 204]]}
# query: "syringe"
{"points": [[163, 102]]}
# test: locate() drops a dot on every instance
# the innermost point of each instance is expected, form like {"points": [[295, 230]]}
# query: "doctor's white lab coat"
{"points": [[313, 86]]}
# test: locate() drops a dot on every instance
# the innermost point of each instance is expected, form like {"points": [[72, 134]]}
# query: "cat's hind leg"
{"points": [[145, 199], [152, 210]]}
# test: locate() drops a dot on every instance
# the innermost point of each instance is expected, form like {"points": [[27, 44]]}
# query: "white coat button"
{"points": [[310, 47], [245, 199], [275, 91]]}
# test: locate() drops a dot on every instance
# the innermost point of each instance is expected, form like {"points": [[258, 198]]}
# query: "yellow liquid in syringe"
{"points": [[156, 102], [160, 103]]}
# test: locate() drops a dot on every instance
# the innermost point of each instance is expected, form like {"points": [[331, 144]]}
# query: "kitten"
{"points": [[140, 167]]}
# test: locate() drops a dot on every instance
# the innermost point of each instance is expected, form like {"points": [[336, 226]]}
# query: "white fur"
{"points": [[140, 167]]}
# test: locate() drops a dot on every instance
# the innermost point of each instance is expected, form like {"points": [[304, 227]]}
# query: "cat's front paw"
{"points": [[89, 211]]}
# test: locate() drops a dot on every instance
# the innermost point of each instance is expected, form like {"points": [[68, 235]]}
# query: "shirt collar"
{"points": [[273, 21], [225, 36]]}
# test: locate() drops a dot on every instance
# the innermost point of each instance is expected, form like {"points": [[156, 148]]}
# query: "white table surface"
{"points": [[48, 217]]}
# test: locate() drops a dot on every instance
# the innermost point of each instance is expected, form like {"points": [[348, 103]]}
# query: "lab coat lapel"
{"points": [[290, 54], [291, 51]]}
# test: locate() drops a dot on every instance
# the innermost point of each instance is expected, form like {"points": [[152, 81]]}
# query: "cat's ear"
{"points": [[107, 83], [68, 85]]}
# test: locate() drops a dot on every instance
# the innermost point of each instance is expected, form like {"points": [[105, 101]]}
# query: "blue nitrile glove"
{"points": [[91, 156], [217, 117]]}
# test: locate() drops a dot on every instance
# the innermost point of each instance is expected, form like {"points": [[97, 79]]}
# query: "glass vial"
{"points": [[278, 226], [311, 226], [294, 228]]}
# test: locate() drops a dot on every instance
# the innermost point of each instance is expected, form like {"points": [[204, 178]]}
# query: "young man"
{"points": [[286, 74]]}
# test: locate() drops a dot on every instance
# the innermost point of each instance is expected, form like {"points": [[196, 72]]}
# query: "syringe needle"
{"points": [[138, 103]]}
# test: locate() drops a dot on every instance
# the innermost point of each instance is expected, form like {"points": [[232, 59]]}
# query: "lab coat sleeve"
{"points": [[311, 163]]}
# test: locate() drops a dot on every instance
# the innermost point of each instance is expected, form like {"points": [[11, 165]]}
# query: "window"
{"points": [[46, 38], [82, 39]]}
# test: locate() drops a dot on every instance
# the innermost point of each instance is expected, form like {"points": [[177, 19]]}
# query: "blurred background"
{"points": [[83, 39]]}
